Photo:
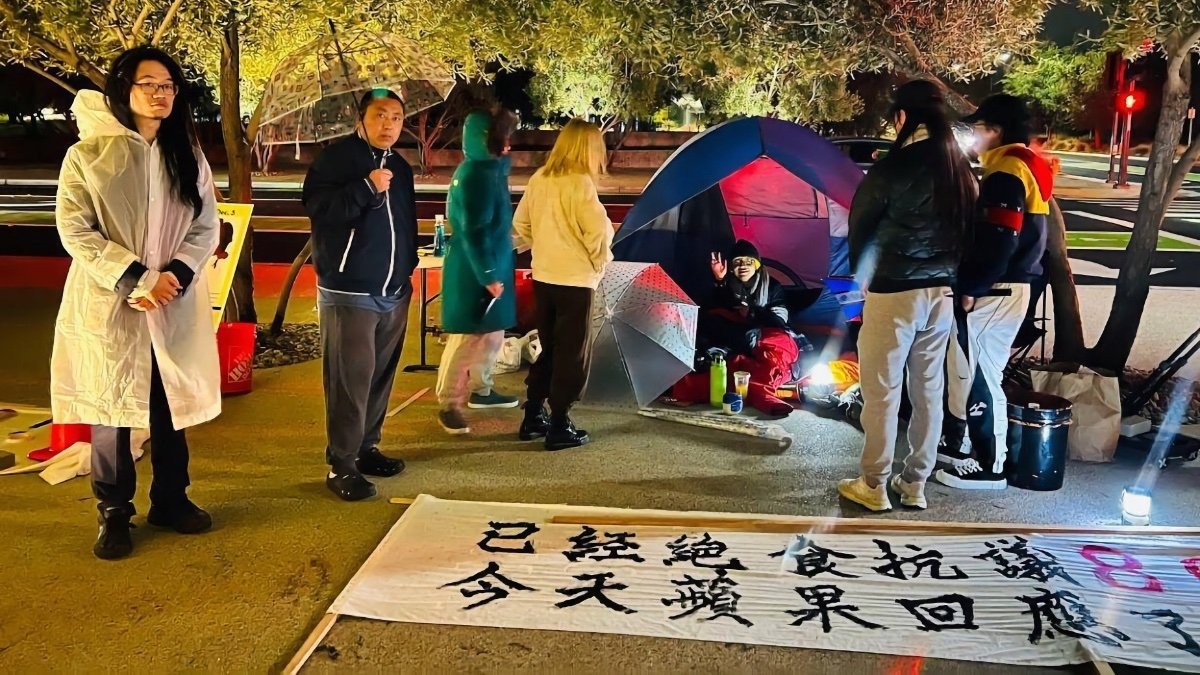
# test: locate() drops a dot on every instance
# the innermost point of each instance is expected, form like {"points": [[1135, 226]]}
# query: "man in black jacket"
{"points": [[362, 203]]}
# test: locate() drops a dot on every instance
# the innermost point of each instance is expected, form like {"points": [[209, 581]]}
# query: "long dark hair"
{"points": [[500, 131], [955, 188], [176, 135]]}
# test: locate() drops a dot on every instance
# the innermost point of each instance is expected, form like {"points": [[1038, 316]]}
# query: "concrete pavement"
{"points": [[242, 598]]}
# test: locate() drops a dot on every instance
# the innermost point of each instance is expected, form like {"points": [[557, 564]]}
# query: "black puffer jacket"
{"points": [[893, 222]]}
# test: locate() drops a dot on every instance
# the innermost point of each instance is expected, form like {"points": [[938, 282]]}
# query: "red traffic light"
{"points": [[1131, 101]]}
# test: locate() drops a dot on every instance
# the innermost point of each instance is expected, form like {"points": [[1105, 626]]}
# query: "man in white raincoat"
{"points": [[134, 345]]}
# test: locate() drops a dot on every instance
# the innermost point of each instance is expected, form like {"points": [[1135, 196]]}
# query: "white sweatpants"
{"points": [[979, 349], [905, 331], [466, 366]]}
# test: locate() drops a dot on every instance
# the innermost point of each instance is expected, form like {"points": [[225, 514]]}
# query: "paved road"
{"points": [[1099, 230], [1095, 168]]}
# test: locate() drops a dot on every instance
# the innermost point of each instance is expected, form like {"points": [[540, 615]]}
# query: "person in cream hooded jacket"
{"points": [[561, 218]]}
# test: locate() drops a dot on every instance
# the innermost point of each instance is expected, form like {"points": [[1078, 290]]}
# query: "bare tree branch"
{"points": [[110, 13], [52, 49], [1182, 168], [48, 75], [166, 22], [135, 34]]}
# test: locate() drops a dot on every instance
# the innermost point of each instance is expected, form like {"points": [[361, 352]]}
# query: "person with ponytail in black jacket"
{"points": [[908, 222]]}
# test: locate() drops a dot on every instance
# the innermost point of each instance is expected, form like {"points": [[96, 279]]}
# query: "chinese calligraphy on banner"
{"points": [[1003, 598], [234, 221]]}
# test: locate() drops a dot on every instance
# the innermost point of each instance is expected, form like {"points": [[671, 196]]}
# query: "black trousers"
{"points": [[564, 323], [361, 351], [114, 477]]}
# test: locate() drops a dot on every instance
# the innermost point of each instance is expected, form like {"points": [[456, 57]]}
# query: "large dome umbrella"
{"points": [[312, 95], [644, 328]]}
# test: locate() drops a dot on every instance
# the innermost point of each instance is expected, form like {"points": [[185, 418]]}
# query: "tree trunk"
{"points": [[622, 136], [1068, 321], [237, 150], [1133, 285], [285, 294]]}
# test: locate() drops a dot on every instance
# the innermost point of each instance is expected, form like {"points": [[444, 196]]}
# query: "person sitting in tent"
{"points": [[747, 318], [743, 304]]}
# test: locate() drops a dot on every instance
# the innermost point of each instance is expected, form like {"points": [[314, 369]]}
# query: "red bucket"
{"points": [[235, 349], [62, 436], [526, 306]]}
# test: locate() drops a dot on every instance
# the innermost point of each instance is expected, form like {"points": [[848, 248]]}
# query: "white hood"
{"points": [[94, 118]]}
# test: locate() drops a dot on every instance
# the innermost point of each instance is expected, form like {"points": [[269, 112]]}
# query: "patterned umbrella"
{"points": [[312, 95], [644, 327]]}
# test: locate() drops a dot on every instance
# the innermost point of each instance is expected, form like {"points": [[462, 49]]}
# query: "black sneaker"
{"points": [[114, 541], [184, 518], [351, 487], [374, 463], [453, 422], [948, 455], [536, 423], [969, 475], [563, 435]]}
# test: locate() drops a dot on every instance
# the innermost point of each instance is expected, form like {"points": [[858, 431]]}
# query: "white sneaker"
{"points": [[911, 494], [857, 491]]}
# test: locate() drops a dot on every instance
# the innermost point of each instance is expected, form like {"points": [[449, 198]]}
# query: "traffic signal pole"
{"points": [[1114, 146], [1115, 76], [1123, 178]]}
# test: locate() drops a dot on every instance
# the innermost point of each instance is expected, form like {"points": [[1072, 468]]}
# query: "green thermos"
{"points": [[718, 378]]}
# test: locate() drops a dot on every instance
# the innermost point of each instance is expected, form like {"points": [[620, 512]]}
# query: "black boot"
{"points": [[114, 541], [536, 423], [564, 435], [183, 517]]}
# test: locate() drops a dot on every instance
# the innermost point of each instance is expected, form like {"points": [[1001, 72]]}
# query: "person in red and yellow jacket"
{"points": [[1004, 258]]}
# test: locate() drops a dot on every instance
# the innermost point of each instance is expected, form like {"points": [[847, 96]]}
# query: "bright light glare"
{"points": [[821, 375], [1135, 506]]}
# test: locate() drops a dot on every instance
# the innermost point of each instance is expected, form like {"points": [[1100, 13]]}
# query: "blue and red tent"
{"points": [[772, 182]]}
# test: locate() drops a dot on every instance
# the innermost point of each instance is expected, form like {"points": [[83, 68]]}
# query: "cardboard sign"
{"points": [[235, 221]]}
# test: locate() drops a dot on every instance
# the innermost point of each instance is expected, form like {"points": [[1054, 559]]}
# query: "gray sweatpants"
{"points": [[906, 331], [361, 351]]}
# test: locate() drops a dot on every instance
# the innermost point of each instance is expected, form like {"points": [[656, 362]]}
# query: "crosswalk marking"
{"points": [[1128, 225], [1183, 210], [1135, 168]]}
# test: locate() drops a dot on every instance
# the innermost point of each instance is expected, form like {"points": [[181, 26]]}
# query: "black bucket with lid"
{"points": [[1037, 440]]}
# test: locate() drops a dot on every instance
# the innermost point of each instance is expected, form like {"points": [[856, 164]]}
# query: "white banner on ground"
{"points": [[1004, 598], [235, 221]]}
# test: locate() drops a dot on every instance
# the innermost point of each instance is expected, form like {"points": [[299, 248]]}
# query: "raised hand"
{"points": [[719, 267]]}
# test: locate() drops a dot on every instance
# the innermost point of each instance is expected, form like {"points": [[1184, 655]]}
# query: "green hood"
{"points": [[474, 135]]}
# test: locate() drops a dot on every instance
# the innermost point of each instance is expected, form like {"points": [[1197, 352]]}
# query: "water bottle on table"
{"points": [[439, 235]]}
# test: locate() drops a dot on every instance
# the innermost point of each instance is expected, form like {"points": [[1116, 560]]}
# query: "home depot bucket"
{"points": [[62, 436], [235, 349]]}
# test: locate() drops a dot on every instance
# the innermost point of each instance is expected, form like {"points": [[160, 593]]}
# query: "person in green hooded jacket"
{"points": [[478, 294]]}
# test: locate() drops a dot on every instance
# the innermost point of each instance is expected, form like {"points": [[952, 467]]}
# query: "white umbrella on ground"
{"points": [[644, 332]]}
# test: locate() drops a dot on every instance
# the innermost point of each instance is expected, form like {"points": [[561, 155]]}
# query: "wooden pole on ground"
{"points": [[411, 399], [310, 645], [852, 525]]}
